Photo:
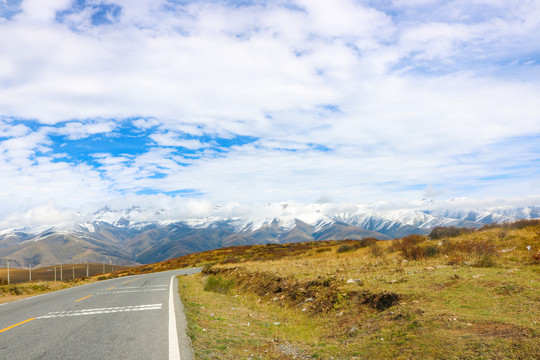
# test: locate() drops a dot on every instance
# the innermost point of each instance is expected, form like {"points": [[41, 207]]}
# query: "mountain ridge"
{"points": [[120, 237]]}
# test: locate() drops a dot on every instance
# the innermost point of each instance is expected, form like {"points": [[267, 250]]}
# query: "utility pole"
{"points": [[55, 273], [8, 271], [87, 274], [61, 272], [30, 272], [73, 276]]}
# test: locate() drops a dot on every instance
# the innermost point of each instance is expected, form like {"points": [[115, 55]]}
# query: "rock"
{"points": [[429, 268]]}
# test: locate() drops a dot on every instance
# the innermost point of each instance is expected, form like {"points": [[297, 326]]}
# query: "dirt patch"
{"points": [[379, 301], [316, 296], [497, 330], [8, 298]]}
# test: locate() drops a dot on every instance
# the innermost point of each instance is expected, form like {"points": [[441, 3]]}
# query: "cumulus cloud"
{"points": [[267, 101]]}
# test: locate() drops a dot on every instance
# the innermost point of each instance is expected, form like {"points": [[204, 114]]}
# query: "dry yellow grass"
{"points": [[453, 304]]}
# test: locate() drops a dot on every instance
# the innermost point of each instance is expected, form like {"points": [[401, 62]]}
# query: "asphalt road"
{"points": [[134, 317]]}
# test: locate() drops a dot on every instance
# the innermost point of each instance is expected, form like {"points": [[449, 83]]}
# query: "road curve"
{"points": [[133, 317]]}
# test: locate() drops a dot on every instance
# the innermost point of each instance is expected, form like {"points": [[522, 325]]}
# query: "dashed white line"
{"points": [[142, 287], [129, 291], [109, 310]]}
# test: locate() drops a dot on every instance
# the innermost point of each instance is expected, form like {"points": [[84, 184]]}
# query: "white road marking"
{"points": [[141, 287], [129, 291], [109, 310], [174, 348]]}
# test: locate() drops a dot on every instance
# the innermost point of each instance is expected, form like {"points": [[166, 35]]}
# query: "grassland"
{"points": [[474, 295]]}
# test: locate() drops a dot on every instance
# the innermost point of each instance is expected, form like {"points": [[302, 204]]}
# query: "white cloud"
{"points": [[171, 139], [345, 101]]}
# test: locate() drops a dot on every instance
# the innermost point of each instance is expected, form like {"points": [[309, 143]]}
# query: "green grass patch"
{"points": [[218, 284]]}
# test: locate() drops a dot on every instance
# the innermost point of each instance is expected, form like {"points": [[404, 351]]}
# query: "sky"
{"points": [[256, 102]]}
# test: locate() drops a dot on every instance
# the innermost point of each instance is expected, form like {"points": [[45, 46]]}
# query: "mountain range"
{"points": [[121, 237]]}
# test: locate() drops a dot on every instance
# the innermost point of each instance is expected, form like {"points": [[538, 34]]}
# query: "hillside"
{"points": [[460, 295]]}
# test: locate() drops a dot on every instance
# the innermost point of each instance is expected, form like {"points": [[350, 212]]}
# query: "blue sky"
{"points": [[266, 101]]}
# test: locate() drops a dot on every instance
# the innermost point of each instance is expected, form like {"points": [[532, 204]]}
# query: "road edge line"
{"points": [[174, 347]]}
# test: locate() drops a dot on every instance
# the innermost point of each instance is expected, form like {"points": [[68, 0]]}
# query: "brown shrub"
{"points": [[230, 260], [346, 248], [409, 247], [365, 242], [441, 232]]}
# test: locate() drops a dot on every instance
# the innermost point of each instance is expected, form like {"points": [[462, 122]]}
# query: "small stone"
{"points": [[429, 268]]}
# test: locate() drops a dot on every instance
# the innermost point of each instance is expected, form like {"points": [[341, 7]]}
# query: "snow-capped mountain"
{"points": [[142, 235]]}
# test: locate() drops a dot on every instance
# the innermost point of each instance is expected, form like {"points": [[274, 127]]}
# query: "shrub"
{"points": [[485, 260], [218, 284], [441, 232], [376, 250], [346, 248], [230, 260], [365, 242], [409, 247], [431, 250]]}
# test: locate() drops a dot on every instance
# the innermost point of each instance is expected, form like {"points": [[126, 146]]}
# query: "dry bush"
{"points": [[346, 248], [365, 242], [441, 232], [231, 260], [410, 247], [376, 250], [483, 252]]}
